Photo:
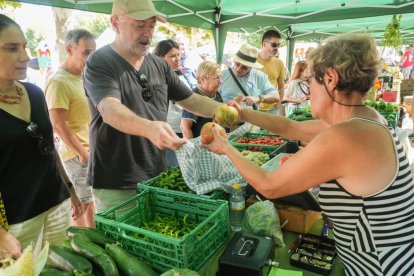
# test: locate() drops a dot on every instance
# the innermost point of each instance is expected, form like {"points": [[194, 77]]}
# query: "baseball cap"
{"points": [[137, 9]]}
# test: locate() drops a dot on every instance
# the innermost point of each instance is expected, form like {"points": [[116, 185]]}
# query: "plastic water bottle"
{"points": [[237, 204]]}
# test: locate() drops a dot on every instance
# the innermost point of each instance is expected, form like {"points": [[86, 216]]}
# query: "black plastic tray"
{"points": [[314, 253]]}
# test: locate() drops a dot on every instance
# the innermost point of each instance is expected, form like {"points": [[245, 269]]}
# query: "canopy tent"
{"points": [[304, 20]]}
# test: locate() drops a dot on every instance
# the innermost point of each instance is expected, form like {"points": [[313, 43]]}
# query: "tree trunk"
{"points": [[61, 17]]}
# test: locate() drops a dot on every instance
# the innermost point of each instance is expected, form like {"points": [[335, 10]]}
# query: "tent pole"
{"points": [[289, 57]]}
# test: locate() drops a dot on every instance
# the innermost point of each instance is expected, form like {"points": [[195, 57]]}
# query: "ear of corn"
{"points": [[40, 261], [24, 266]]}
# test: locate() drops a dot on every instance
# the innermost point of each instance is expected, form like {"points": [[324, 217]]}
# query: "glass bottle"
{"points": [[237, 204]]}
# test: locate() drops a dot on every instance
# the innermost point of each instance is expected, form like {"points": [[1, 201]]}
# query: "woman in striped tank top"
{"points": [[371, 200]]}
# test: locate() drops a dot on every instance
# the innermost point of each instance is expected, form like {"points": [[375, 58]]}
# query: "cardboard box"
{"points": [[407, 85], [299, 220], [407, 101], [405, 93], [408, 108]]}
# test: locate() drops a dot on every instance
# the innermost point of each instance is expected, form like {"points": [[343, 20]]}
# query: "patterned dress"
{"points": [[374, 235]]}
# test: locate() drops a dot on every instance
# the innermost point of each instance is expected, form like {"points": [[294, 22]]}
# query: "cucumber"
{"points": [[127, 263], [66, 243], [51, 271], [94, 235], [82, 245], [67, 260]]}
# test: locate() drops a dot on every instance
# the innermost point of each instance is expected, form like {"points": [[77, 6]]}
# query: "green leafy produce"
{"points": [[371, 103], [256, 157], [308, 109], [381, 105]]}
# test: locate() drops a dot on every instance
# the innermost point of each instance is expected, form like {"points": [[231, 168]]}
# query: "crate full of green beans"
{"points": [[168, 229], [173, 180]]}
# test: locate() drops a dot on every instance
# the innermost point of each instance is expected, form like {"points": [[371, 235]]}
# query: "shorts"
{"points": [[77, 175]]}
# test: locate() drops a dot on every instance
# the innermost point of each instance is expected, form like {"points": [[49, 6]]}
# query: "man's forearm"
{"points": [[120, 117], [200, 105]]}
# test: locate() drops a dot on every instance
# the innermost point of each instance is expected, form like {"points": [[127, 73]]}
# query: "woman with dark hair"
{"points": [[293, 92], [365, 178], [34, 204], [169, 50]]}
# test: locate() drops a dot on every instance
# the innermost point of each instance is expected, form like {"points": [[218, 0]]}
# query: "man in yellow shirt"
{"points": [[69, 113], [273, 67]]}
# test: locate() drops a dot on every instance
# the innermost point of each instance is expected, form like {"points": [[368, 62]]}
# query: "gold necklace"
{"points": [[13, 99]]}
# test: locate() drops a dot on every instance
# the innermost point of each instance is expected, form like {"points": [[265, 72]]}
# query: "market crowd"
{"points": [[121, 111]]}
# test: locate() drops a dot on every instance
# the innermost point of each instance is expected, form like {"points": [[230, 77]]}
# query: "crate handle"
{"points": [[113, 209]]}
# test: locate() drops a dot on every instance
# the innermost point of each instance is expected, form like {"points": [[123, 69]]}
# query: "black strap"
{"points": [[241, 87]]}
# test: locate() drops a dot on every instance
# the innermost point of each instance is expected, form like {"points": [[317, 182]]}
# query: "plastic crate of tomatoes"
{"points": [[258, 142]]}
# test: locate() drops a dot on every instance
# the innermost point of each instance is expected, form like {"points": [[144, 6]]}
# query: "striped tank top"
{"points": [[374, 235]]}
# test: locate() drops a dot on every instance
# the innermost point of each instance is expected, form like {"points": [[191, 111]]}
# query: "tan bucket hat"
{"points": [[247, 55], [137, 9]]}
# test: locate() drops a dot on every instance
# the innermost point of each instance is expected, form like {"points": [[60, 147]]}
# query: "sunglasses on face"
{"points": [[43, 146], [146, 89], [274, 44]]}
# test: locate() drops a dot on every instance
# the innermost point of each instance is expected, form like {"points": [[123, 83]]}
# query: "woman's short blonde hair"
{"points": [[207, 68], [354, 56]]}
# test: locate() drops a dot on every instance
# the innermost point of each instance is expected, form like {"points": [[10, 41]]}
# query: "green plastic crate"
{"points": [[217, 194], [265, 148], [192, 251]]}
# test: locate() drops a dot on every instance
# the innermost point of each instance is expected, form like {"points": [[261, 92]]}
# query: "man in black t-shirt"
{"points": [[128, 91]]}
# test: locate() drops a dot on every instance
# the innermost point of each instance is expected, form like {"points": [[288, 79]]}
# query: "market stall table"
{"points": [[281, 256]]}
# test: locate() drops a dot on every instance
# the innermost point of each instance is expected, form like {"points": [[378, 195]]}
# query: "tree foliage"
{"points": [[97, 26], [4, 4], [33, 39]]}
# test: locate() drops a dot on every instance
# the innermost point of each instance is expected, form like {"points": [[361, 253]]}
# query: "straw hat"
{"points": [[247, 55], [137, 9]]}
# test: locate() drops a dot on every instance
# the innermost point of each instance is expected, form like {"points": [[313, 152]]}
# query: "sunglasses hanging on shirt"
{"points": [[146, 92], [34, 132]]}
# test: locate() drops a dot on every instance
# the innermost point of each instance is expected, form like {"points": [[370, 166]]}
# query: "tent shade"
{"points": [[302, 20]]}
